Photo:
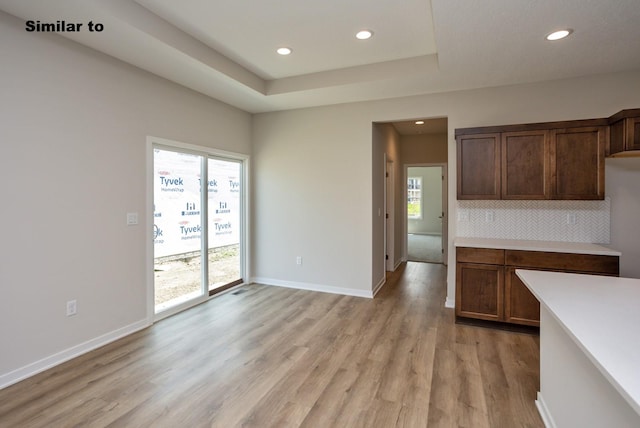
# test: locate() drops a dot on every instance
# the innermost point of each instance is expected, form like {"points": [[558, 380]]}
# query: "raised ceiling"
{"points": [[226, 49], [321, 34]]}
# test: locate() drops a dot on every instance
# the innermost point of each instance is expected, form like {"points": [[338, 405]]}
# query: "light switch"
{"points": [[132, 219]]}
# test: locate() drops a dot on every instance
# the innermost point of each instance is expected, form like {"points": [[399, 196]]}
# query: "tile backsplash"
{"points": [[565, 221]]}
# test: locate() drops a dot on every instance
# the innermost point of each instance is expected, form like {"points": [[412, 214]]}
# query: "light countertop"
{"points": [[548, 246], [602, 315]]}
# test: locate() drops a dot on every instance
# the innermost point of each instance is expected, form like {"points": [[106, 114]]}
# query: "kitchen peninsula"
{"points": [[589, 349]]}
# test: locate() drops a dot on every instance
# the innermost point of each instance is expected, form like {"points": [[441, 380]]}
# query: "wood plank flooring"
{"points": [[276, 357]]}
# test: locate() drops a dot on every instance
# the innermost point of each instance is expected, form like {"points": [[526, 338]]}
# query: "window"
{"points": [[414, 197]]}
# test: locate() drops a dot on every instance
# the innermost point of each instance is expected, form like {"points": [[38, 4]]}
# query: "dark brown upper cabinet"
{"points": [[555, 160], [478, 158], [577, 162], [525, 165], [625, 133]]}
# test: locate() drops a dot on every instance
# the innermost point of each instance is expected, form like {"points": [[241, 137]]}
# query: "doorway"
{"points": [[198, 225], [425, 213]]}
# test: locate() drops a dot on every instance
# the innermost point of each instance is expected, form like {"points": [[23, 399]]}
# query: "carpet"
{"points": [[424, 248]]}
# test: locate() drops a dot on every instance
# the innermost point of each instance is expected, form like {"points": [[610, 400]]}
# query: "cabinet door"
{"points": [[525, 165], [617, 137], [478, 159], [625, 135], [479, 291], [633, 133], [520, 307], [577, 162]]}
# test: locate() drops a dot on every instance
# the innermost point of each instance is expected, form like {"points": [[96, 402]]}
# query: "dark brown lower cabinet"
{"points": [[521, 307], [480, 294], [487, 287]]}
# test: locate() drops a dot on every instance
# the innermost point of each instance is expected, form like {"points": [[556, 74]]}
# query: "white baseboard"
{"points": [[379, 286], [544, 412], [397, 265], [449, 303], [313, 287], [29, 370]]}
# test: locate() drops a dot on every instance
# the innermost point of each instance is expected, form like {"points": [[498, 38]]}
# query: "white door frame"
{"points": [[445, 208]]}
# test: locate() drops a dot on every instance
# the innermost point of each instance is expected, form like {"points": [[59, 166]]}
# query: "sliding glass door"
{"points": [[225, 221], [198, 218], [177, 227]]}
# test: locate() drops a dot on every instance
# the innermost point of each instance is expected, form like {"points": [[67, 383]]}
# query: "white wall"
{"points": [[73, 141], [622, 185], [382, 139], [399, 198], [326, 147], [312, 198], [386, 142]]}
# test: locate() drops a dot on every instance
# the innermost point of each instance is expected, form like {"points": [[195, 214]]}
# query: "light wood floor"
{"points": [[276, 357]]}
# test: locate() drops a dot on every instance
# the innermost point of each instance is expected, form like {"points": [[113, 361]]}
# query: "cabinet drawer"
{"points": [[585, 263], [489, 256]]}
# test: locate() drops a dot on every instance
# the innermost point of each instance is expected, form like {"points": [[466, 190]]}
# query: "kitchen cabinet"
{"points": [[525, 165], [555, 160], [625, 132], [480, 277], [479, 156], [551, 160], [577, 162], [521, 307], [487, 287]]}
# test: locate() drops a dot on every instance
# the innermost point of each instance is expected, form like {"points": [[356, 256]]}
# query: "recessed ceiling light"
{"points": [[364, 34], [284, 51], [557, 35], [419, 122]]}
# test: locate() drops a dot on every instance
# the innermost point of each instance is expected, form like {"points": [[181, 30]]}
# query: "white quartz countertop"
{"points": [[548, 246], [602, 315]]}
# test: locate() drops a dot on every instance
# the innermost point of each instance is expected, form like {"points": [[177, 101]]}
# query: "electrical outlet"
{"points": [[299, 260], [571, 218], [489, 216], [72, 307], [463, 215]]}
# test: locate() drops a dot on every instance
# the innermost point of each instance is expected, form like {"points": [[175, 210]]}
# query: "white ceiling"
{"points": [[430, 126], [226, 48], [321, 34]]}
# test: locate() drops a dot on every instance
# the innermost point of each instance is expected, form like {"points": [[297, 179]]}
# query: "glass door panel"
{"points": [[224, 222], [177, 228]]}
